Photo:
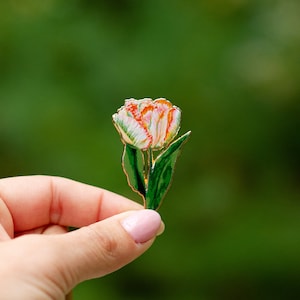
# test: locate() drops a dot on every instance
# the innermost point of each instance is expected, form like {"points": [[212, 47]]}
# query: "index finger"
{"points": [[34, 201]]}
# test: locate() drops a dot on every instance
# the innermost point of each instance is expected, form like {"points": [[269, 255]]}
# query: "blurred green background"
{"points": [[233, 66]]}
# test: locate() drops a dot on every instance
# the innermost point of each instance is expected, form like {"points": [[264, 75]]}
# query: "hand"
{"points": [[39, 259]]}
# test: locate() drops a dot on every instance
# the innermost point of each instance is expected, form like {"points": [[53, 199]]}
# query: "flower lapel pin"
{"points": [[147, 129]]}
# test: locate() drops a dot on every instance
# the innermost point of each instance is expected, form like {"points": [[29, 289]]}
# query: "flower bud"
{"points": [[147, 123]]}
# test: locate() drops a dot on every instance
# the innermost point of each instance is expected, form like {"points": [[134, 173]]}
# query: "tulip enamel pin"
{"points": [[147, 129]]}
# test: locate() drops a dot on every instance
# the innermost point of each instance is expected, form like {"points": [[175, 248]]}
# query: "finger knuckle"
{"points": [[106, 246]]}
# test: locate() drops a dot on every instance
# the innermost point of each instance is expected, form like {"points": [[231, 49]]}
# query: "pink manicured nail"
{"points": [[142, 225]]}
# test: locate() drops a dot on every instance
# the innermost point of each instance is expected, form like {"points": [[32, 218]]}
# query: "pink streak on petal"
{"points": [[133, 107], [174, 117]]}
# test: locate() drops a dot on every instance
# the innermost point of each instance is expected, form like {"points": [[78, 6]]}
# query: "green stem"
{"points": [[150, 160], [146, 172], [148, 165]]}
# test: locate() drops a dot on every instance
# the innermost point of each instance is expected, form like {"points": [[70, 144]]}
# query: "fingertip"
{"points": [[143, 225], [161, 229]]}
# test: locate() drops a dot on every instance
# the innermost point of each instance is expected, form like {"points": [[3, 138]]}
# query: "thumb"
{"points": [[108, 245]]}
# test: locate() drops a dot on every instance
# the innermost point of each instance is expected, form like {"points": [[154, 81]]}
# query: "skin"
{"points": [[39, 259]]}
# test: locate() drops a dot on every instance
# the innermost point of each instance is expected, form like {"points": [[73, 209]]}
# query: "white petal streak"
{"points": [[130, 130], [174, 118]]}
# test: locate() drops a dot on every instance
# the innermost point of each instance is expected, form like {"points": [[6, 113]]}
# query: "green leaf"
{"points": [[162, 172], [132, 163]]}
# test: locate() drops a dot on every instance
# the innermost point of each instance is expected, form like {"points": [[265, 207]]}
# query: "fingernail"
{"points": [[142, 225]]}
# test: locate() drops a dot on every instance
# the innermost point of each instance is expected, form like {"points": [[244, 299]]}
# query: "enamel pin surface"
{"points": [[147, 129]]}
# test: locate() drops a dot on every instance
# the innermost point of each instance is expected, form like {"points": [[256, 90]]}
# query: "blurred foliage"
{"points": [[232, 214]]}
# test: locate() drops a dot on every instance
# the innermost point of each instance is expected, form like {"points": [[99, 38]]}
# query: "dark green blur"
{"points": [[232, 66]]}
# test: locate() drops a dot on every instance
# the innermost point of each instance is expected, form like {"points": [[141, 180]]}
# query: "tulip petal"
{"points": [[165, 123], [174, 119], [130, 130], [155, 129]]}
